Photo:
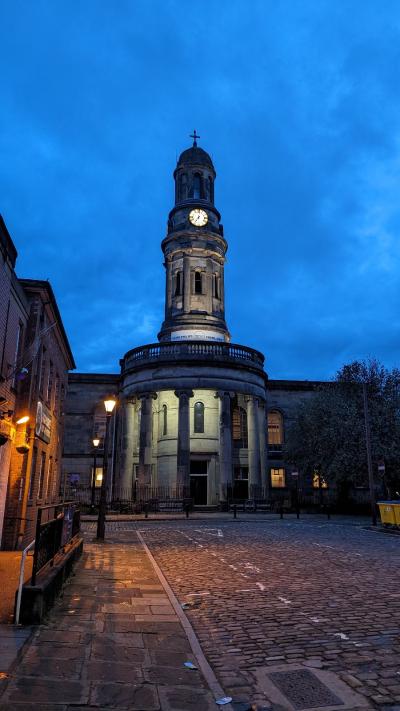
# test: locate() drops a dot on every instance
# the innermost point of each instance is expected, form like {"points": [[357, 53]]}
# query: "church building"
{"points": [[196, 414]]}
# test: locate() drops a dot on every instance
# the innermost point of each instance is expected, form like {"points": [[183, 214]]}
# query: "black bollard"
{"points": [[281, 511], [146, 510], [328, 512], [187, 510], [234, 511]]}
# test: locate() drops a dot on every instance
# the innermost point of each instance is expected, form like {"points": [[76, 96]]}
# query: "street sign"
{"points": [[381, 466]]}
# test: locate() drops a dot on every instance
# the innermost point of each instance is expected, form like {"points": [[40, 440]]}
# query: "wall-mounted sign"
{"points": [[43, 422], [190, 335]]}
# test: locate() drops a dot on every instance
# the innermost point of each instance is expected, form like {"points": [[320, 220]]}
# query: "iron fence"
{"points": [[130, 500], [56, 526]]}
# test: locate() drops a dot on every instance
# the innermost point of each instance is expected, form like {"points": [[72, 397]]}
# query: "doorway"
{"points": [[198, 481], [241, 483]]}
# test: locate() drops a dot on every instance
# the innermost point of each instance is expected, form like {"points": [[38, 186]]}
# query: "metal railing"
{"points": [[21, 580], [129, 500], [62, 524]]}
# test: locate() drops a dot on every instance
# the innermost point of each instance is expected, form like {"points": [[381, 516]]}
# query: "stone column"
{"points": [[169, 288], [127, 446], [209, 287], [145, 438], [183, 450], [186, 284], [262, 410], [225, 444], [253, 444]]}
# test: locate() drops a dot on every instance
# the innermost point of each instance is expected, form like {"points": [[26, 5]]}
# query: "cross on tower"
{"points": [[195, 136]]}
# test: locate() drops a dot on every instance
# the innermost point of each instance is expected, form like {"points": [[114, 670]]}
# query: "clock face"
{"points": [[198, 217]]}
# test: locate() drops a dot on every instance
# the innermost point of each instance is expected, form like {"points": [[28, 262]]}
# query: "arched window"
{"points": [[164, 420], [197, 186], [197, 283], [181, 187], [198, 417], [275, 431], [210, 189], [178, 284], [216, 286], [239, 428]]}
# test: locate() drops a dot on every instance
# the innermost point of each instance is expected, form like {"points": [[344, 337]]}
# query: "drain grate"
{"points": [[304, 690]]}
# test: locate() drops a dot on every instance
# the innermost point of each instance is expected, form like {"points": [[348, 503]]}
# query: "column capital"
{"points": [[148, 395], [184, 393], [224, 393], [129, 400], [252, 398]]}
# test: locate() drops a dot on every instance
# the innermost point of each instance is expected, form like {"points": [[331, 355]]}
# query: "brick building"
{"points": [[35, 363], [14, 309]]}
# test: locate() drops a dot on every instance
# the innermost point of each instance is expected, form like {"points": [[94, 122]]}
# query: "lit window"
{"points": [[318, 481], [197, 283], [239, 428], [198, 417], [99, 476], [275, 430], [278, 478], [165, 420]]}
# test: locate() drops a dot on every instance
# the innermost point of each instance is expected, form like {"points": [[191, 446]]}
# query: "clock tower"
{"points": [[194, 251]]}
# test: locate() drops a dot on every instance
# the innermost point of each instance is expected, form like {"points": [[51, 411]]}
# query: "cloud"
{"points": [[298, 104]]}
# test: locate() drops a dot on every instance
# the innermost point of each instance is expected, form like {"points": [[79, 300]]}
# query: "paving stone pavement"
{"points": [[112, 641], [319, 595]]}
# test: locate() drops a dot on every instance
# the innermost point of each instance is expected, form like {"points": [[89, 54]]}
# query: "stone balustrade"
{"points": [[192, 351]]}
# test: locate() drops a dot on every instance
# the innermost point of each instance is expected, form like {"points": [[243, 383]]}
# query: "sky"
{"points": [[298, 104]]}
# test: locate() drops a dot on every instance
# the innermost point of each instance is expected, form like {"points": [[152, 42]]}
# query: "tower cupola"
{"points": [[194, 251]]}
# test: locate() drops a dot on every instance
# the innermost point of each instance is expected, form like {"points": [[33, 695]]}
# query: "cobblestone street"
{"points": [[267, 594]]}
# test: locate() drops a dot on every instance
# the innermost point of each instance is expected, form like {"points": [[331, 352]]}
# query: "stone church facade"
{"points": [[196, 413]]}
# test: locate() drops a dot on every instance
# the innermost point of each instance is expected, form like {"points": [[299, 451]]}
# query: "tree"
{"points": [[328, 433]]}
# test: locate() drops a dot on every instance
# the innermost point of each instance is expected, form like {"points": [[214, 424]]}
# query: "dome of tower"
{"points": [[196, 156]]}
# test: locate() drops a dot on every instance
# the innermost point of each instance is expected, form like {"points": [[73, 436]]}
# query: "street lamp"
{"points": [[109, 404], [295, 476], [96, 442], [369, 455]]}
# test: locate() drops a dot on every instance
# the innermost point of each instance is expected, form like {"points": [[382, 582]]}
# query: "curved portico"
{"points": [[160, 387]]}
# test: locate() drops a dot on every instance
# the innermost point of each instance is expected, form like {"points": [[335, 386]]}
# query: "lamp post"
{"points": [[96, 442], [369, 455], [109, 404], [295, 476]]}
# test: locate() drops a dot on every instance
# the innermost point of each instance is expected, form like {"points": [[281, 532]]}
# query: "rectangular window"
{"points": [[57, 394], [278, 478], [33, 473], [41, 474], [18, 346], [49, 383], [99, 477], [319, 482], [42, 370], [49, 482]]}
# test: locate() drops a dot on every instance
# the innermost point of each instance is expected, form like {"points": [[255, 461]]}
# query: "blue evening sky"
{"points": [[298, 103]]}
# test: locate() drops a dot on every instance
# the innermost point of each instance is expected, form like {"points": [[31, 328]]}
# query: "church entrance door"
{"points": [[198, 482], [241, 483]]}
